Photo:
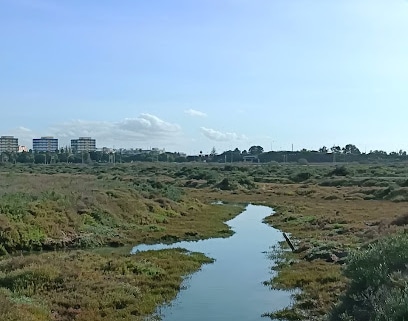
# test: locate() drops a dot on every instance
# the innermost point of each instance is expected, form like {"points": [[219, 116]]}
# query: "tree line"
{"points": [[256, 153]]}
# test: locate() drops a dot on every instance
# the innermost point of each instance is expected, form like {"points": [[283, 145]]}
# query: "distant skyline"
{"points": [[192, 75]]}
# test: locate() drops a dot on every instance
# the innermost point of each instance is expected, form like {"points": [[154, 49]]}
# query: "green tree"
{"points": [[39, 158], [5, 157], [378, 152], [351, 149], [256, 150], [323, 150], [336, 149]]}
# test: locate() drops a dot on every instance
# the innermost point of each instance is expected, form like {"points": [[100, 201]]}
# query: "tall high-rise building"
{"points": [[83, 144], [8, 144], [45, 144]]}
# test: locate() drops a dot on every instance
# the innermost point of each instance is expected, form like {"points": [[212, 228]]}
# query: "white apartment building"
{"points": [[8, 144], [83, 144]]}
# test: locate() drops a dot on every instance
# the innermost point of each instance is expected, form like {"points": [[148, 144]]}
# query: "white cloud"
{"points": [[195, 113], [221, 136], [144, 131], [24, 135], [148, 125], [141, 132], [24, 129]]}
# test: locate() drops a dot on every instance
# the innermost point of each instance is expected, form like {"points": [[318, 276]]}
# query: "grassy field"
{"points": [[329, 212], [78, 285], [44, 209]]}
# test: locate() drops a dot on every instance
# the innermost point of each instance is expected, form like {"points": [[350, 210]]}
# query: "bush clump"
{"points": [[227, 185], [301, 177], [303, 161], [378, 288], [339, 171]]}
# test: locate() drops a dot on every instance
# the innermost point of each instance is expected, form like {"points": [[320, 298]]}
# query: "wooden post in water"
{"points": [[289, 242]]}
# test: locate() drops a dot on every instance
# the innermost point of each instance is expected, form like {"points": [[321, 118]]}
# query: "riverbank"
{"points": [[83, 286], [58, 211], [232, 287], [326, 224], [43, 214], [57, 207]]}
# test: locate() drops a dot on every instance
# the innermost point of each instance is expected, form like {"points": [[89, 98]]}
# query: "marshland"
{"points": [[198, 160], [345, 221]]}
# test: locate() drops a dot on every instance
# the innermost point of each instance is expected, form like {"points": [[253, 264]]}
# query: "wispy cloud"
{"points": [[24, 129], [145, 130], [221, 136], [195, 113], [25, 135]]}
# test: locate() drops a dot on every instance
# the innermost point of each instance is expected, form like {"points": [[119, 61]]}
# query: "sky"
{"points": [[192, 75]]}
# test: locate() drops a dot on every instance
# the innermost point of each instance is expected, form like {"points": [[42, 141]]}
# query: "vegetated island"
{"points": [[345, 221]]}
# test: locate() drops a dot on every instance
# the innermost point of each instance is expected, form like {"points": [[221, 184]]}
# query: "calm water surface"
{"points": [[231, 289]]}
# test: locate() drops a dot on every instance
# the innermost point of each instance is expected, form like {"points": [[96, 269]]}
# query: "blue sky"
{"points": [[189, 75]]}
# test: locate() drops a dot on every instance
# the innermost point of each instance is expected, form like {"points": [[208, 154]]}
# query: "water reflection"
{"points": [[231, 288]]}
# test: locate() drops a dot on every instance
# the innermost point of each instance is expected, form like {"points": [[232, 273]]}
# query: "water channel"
{"points": [[231, 288]]}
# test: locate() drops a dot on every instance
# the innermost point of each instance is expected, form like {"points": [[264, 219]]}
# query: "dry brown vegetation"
{"points": [[46, 211], [42, 211], [322, 221], [327, 211], [79, 285]]}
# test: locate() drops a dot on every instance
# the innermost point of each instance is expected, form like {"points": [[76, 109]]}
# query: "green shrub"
{"points": [[226, 184], [301, 177], [378, 288], [3, 251], [303, 161], [340, 171]]}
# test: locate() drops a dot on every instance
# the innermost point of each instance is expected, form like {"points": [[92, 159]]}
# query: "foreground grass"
{"points": [[326, 231], [85, 207], [322, 221], [378, 287], [81, 285], [327, 211]]}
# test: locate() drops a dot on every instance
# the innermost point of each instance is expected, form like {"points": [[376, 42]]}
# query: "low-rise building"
{"points": [[45, 144], [22, 149], [251, 159], [8, 144], [83, 144]]}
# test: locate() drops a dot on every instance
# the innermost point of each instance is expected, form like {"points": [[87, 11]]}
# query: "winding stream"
{"points": [[232, 288]]}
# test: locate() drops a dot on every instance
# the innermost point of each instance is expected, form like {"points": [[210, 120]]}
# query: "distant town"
{"points": [[82, 149], [46, 150], [49, 144], [46, 144]]}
